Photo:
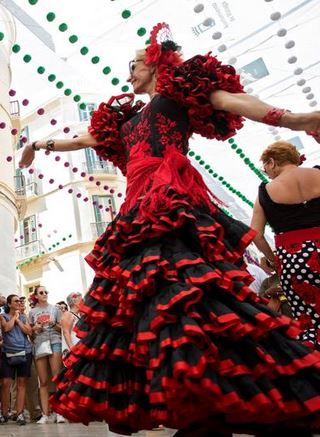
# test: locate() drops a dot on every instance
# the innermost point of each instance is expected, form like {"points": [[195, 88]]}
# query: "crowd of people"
{"points": [[33, 344]]}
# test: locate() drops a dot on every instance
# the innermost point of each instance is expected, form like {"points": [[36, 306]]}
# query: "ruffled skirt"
{"points": [[171, 333]]}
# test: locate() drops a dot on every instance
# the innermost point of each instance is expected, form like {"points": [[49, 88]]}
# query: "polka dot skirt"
{"points": [[300, 280]]}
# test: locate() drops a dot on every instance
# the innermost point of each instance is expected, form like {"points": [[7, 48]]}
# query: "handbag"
{"points": [[43, 349], [16, 358]]}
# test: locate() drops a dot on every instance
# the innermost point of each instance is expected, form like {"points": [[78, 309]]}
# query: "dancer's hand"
{"points": [[27, 157]]}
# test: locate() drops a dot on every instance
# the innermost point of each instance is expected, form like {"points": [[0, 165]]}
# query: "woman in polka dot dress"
{"points": [[290, 203]]}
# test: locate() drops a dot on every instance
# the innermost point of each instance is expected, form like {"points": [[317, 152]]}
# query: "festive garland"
{"points": [[221, 179], [43, 253], [246, 160]]}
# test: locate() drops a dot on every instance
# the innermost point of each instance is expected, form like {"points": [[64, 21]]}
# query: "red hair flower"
{"points": [[302, 159]]}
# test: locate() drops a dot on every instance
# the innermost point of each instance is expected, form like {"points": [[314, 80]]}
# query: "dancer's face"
{"points": [[142, 76]]}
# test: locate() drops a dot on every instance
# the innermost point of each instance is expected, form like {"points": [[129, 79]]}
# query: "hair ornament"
{"points": [[161, 40], [302, 159]]}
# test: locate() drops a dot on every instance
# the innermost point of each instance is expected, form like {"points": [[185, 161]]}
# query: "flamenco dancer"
{"points": [[171, 333]]}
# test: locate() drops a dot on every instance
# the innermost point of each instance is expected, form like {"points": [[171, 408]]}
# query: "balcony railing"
{"points": [[23, 189], [20, 185], [32, 189], [28, 250], [97, 228], [15, 108], [99, 167]]}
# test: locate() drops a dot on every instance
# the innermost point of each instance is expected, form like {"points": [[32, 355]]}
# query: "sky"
{"points": [[258, 37]]}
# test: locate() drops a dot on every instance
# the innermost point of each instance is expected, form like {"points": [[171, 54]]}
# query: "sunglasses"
{"points": [[132, 65], [43, 292]]}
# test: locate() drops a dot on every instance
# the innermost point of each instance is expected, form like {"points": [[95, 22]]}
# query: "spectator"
{"points": [[3, 301], [68, 321], [63, 307], [259, 276], [45, 321], [32, 392], [16, 357], [290, 203]]}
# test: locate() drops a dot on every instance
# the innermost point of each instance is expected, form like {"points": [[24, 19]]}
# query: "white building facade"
{"points": [[8, 204]]}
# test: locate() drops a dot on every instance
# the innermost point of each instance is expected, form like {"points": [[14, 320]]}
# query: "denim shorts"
{"points": [[56, 347], [21, 370]]}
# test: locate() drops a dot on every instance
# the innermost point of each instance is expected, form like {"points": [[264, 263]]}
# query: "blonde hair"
{"points": [[282, 152], [140, 53]]}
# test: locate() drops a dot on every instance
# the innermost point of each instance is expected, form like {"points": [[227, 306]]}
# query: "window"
{"points": [[29, 229], [104, 211], [95, 164], [85, 114], [23, 134]]}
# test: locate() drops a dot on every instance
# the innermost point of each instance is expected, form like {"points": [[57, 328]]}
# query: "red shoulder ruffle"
{"points": [[105, 127], [190, 85]]}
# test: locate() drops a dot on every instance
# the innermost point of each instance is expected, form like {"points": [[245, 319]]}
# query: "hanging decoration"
{"points": [[221, 179]]}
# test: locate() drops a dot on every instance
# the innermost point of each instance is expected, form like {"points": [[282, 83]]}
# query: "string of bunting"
{"points": [[221, 179], [247, 160], [43, 253], [84, 50]]}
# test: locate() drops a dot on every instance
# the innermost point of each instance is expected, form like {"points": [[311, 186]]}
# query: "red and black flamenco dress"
{"points": [[171, 333]]}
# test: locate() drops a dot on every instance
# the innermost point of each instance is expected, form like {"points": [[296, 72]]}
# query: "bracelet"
{"points": [[34, 146], [50, 145], [273, 116]]}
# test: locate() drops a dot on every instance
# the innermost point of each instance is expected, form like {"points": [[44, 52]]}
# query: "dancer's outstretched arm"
{"points": [[77, 143], [254, 109], [258, 223]]}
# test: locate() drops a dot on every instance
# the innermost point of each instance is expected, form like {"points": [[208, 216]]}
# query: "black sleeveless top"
{"points": [[283, 218]]}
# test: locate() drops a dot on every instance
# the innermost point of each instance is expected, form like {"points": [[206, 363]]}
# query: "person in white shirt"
{"points": [[259, 276]]}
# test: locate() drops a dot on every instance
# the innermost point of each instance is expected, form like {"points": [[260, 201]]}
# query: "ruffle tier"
{"points": [[172, 334], [190, 85]]}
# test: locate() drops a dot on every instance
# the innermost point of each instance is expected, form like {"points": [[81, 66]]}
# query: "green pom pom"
{"points": [[73, 39], [67, 92], [59, 84], [191, 153], [238, 151], [33, 2], [95, 59], [207, 166], [1, 36], [51, 77], [242, 155], [126, 13], [77, 98], [220, 178], [201, 162], [63, 27], [247, 161], [27, 58], [84, 50], [82, 105], [115, 81], [125, 88], [215, 175], [41, 70], [230, 140], [210, 171], [51, 16], [197, 157], [16, 48], [234, 146], [141, 31], [148, 42], [106, 70]]}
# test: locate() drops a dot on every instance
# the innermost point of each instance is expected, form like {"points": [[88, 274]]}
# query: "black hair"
{"points": [[9, 300]]}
